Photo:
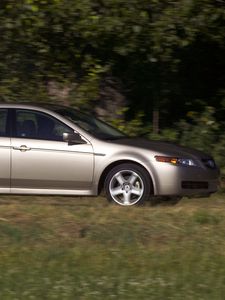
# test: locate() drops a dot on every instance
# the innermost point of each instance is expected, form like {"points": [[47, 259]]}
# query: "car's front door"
{"points": [[4, 151], [42, 162]]}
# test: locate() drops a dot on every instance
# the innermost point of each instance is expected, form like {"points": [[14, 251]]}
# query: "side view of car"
{"points": [[61, 151]]}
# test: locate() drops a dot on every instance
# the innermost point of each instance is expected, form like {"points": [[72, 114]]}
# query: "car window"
{"points": [[37, 125], [3, 122], [90, 124]]}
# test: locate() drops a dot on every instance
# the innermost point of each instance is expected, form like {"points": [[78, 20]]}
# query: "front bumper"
{"points": [[184, 181]]}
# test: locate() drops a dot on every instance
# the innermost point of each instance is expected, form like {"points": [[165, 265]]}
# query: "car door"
{"points": [[4, 151], [42, 162]]}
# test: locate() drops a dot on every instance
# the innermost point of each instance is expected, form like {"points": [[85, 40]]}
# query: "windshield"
{"points": [[90, 124]]}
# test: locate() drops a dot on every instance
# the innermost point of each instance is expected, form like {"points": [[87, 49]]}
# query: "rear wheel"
{"points": [[127, 184]]}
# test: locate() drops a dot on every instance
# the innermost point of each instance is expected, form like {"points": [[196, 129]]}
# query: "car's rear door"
{"points": [[42, 162], [4, 151]]}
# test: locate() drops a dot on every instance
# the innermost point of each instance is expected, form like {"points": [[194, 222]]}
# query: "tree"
{"points": [[158, 55]]}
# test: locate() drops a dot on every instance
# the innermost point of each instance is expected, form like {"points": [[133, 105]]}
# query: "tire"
{"points": [[128, 184]]}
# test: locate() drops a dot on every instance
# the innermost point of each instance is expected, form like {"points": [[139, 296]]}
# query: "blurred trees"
{"points": [[148, 55]]}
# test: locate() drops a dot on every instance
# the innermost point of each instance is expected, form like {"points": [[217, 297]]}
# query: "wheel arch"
{"points": [[117, 163]]}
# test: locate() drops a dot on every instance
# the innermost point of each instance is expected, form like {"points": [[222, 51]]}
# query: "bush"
{"points": [[198, 130]]}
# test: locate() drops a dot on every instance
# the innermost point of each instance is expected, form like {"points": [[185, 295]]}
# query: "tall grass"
{"points": [[78, 248]]}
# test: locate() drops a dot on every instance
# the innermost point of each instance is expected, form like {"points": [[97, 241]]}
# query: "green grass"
{"points": [[79, 248]]}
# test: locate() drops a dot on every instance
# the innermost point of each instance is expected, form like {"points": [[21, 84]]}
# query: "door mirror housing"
{"points": [[73, 138]]}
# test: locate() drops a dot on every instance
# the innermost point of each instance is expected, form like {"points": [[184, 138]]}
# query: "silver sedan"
{"points": [[61, 151]]}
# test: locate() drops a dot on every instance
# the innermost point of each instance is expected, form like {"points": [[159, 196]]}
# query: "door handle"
{"points": [[22, 148]]}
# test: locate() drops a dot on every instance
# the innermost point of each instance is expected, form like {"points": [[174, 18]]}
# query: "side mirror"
{"points": [[73, 138]]}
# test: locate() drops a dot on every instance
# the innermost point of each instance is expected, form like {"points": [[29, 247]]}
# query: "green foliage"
{"points": [[79, 42], [198, 130], [204, 133], [165, 54], [201, 130], [135, 127]]}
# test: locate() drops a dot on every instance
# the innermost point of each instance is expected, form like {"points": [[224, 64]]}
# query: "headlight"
{"points": [[176, 161], [186, 162]]}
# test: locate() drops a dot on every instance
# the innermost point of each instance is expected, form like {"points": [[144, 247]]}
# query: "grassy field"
{"points": [[78, 248]]}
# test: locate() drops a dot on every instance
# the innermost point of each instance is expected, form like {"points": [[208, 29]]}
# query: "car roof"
{"points": [[34, 104], [44, 105]]}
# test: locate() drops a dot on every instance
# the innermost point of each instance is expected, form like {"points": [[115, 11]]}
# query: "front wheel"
{"points": [[128, 184]]}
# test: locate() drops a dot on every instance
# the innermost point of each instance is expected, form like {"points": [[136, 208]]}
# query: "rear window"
{"points": [[3, 122]]}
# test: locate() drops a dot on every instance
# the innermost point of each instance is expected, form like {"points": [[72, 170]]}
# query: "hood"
{"points": [[165, 148]]}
